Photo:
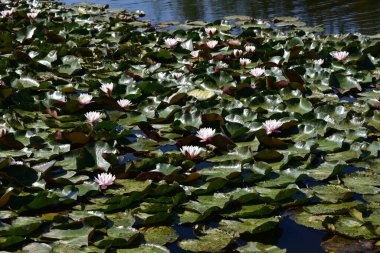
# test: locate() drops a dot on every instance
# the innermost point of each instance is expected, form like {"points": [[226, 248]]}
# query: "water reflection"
{"points": [[339, 16]]}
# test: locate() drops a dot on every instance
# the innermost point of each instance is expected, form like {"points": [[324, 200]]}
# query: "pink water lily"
{"points": [[191, 152], [272, 126], [340, 55], [257, 72], [84, 98], [6, 13], [177, 75], [211, 44], [205, 133], [195, 54], [318, 62], [124, 103], [210, 30], [93, 116], [107, 88], [233, 42], [105, 179], [250, 49], [170, 43], [237, 52], [32, 15], [244, 61]]}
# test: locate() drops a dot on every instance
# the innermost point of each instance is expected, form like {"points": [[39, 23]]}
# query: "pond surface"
{"points": [[336, 16]]}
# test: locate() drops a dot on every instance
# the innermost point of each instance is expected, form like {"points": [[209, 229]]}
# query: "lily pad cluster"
{"points": [[118, 136]]}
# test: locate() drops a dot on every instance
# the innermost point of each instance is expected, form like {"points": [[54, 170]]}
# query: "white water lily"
{"points": [[107, 88], [84, 98], [237, 52], [250, 49], [211, 44], [3, 132], [340, 55], [210, 30], [244, 61], [318, 62], [257, 72], [6, 13], [33, 14], [272, 126], [191, 152], [195, 54], [177, 75], [170, 43], [93, 116], [104, 180], [124, 103], [205, 133]]}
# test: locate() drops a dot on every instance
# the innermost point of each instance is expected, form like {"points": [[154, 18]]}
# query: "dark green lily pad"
{"points": [[213, 240]]}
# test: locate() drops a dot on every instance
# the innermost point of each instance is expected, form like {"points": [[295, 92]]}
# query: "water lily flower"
{"points": [[237, 52], [210, 30], [33, 14], [250, 49], [124, 103], [195, 54], [93, 116], [339, 55], [205, 133], [170, 43], [6, 13], [84, 98], [177, 75], [318, 62], [3, 132], [104, 180], [107, 88], [234, 42], [211, 44], [244, 61], [257, 72], [272, 126], [191, 152]]}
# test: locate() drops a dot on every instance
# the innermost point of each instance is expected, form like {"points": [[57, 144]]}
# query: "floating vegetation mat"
{"points": [[117, 136]]}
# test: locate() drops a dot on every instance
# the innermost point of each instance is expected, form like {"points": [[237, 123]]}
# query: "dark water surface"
{"points": [[336, 16]]}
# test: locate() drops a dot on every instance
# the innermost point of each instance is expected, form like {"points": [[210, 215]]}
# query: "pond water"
{"points": [[336, 16]]}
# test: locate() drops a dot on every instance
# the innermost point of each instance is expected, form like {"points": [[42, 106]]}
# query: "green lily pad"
{"points": [[146, 248], [160, 235], [252, 226], [201, 95], [340, 244], [258, 247], [213, 240]]}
